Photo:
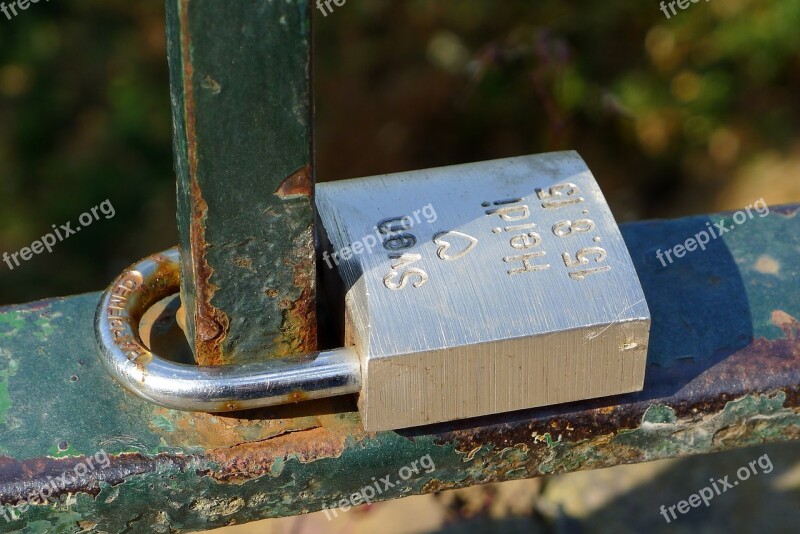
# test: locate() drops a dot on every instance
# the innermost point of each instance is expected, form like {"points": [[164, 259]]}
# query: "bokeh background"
{"points": [[693, 114]]}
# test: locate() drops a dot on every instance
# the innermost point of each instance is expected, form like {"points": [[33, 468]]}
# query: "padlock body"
{"points": [[484, 288]]}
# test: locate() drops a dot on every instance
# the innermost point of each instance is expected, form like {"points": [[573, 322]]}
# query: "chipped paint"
{"points": [[216, 508], [787, 323], [211, 84], [736, 384], [767, 265]]}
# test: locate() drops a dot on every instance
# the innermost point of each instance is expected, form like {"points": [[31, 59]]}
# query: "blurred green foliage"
{"points": [[674, 116], [84, 117]]}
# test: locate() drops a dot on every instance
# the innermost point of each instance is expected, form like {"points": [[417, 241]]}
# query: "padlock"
{"points": [[469, 290]]}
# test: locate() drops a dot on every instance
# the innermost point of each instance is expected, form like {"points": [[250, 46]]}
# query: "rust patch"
{"points": [[211, 324], [297, 396], [298, 326], [298, 330], [249, 460], [216, 431], [243, 262], [298, 184], [204, 429]]}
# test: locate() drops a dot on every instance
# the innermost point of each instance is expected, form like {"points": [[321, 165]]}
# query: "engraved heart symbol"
{"points": [[445, 245]]}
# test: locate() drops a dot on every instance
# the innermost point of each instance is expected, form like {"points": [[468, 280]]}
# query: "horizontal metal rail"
{"points": [[723, 372]]}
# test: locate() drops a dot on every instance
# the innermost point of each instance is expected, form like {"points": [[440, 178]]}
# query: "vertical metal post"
{"points": [[241, 105]]}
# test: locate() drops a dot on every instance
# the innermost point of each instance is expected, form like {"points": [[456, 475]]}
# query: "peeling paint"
{"points": [[787, 323], [214, 509], [211, 85], [767, 265], [181, 472]]}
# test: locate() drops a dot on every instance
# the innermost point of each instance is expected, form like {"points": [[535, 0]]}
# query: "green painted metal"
{"points": [[723, 372], [240, 84]]}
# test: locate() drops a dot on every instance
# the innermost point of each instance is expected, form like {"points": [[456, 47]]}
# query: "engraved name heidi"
{"points": [[526, 242], [517, 226], [118, 318]]}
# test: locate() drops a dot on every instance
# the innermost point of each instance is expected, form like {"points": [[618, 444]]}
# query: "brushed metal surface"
{"points": [[519, 292]]}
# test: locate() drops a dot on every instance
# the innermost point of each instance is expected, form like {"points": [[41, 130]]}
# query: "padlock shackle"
{"points": [[222, 388]]}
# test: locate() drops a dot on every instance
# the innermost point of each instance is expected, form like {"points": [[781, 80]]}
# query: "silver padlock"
{"points": [[470, 290]]}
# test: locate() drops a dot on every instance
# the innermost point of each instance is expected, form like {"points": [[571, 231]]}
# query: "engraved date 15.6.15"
{"points": [[527, 243]]}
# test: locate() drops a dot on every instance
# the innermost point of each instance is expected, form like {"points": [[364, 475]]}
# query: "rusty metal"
{"points": [[723, 372], [242, 143]]}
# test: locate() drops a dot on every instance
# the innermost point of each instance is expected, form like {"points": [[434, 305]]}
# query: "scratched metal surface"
{"points": [[239, 77], [723, 372]]}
